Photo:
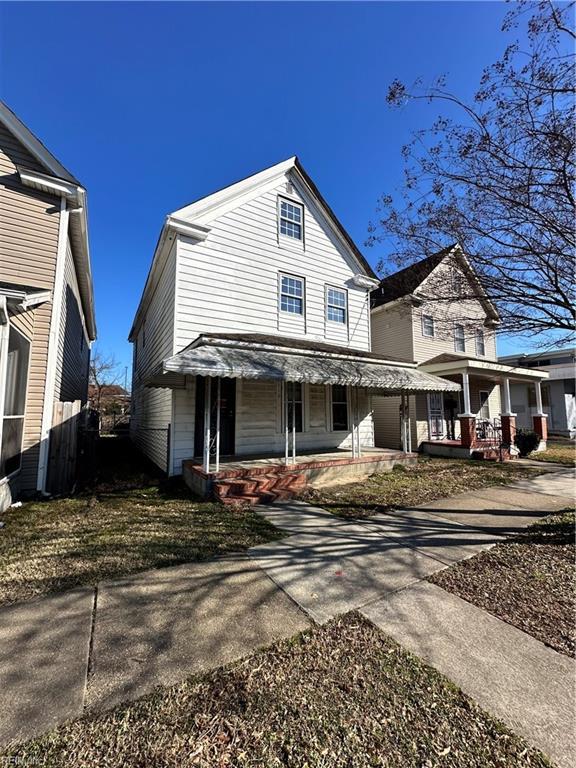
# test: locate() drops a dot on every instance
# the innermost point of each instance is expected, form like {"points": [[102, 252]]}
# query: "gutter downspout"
{"points": [[52, 359]]}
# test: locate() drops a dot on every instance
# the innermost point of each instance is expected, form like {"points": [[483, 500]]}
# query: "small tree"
{"points": [[501, 183], [104, 371]]}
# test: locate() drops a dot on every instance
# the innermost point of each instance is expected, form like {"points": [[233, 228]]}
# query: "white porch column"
{"points": [[506, 391], [408, 424], [207, 409], [539, 408], [358, 441], [466, 393], [403, 436], [218, 387], [285, 406]]}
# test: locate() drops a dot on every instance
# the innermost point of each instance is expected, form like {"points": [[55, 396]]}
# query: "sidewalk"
{"points": [[89, 649]]}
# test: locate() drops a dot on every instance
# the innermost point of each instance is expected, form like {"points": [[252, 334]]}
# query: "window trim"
{"points": [[428, 335], [480, 332], [285, 312], [329, 287], [347, 390], [298, 241], [456, 339]]}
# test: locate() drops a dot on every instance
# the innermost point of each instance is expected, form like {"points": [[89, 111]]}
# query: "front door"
{"points": [[435, 415], [227, 416]]}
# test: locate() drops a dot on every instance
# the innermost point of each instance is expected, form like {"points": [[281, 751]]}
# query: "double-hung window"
{"points": [[291, 219], [336, 305], [18, 356], [427, 325], [339, 408], [480, 346], [292, 294], [459, 338]]}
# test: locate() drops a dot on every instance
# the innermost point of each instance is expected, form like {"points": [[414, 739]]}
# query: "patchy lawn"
{"points": [[426, 481], [337, 695], [558, 452], [128, 521], [527, 581]]}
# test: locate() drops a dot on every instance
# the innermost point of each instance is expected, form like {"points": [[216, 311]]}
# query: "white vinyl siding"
{"points": [[239, 263], [151, 417]]}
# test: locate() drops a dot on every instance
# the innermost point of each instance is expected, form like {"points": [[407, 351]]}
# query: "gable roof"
{"points": [[192, 220], [408, 280], [208, 204], [59, 181]]}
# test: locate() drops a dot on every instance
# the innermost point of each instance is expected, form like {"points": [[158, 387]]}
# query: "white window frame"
{"points": [[281, 293], [4, 342], [299, 241], [428, 335], [327, 305], [480, 332], [457, 339]]}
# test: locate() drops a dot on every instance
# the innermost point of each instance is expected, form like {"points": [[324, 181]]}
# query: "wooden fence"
{"points": [[63, 456]]}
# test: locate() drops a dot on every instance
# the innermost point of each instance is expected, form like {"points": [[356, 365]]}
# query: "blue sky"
{"points": [[152, 105]]}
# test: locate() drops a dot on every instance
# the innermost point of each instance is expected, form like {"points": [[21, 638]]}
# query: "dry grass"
{"points": [[337, 696], [428, 480], [558, 452], [527, 581], [128, 522]]}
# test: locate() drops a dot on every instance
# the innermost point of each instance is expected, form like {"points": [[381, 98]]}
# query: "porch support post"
{"points": [[218, 388], [285, 404], [466, 393], [294, 424], [207, 409], [467, 419], [507, 418], [358, 443], [506, 392], [353, 419], [408, 425], [539, 408], [403, 432]]}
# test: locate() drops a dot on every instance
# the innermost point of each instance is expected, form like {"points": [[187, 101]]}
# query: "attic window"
{"points": [[291, 219], [459, 338], [480, 346]]}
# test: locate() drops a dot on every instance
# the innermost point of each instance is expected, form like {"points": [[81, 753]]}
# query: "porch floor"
{"points": [[259, 478], [318, 458]]}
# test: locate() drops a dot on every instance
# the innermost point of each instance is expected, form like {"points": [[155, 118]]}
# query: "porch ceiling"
{"points": [[483, 368], [252, 360]]}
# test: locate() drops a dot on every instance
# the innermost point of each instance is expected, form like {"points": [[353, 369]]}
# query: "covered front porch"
{"points": [[484, 426], [263, 415]]}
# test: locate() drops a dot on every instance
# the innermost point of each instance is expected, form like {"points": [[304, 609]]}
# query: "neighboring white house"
{"points": [[436, 313], [258, 300], [558, 394]]}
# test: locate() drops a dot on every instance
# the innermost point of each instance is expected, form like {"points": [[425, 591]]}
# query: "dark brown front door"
{"points": [[227, 416]]}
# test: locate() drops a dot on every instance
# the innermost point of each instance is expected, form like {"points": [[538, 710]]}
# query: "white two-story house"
{"points": [[252, 339], [437, 314]]}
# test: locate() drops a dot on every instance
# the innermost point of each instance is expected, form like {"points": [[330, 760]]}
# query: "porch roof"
{"points": [[450, 364], [280, 359]]}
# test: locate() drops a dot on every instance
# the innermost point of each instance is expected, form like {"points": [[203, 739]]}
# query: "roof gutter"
{"points": [[78, 224]]}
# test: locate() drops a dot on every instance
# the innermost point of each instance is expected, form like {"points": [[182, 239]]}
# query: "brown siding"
{"points": [[29, 222], [24, 322], [73, 351]]}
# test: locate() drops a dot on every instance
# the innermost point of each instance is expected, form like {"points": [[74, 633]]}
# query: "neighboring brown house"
{"points": [[46, 307]]}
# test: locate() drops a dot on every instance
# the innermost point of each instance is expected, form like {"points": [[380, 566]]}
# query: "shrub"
{"points": [[526, 441]]}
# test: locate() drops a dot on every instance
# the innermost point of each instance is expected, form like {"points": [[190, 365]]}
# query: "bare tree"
{"points": [[501, 180], [104, 372]]}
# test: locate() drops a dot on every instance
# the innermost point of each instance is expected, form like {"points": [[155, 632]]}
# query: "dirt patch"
{"points": [[428, 480], [527, 581], [337, 696]]}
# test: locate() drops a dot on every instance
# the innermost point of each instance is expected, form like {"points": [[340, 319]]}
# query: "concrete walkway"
{"points": [[89, 649], [525, 684]]}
